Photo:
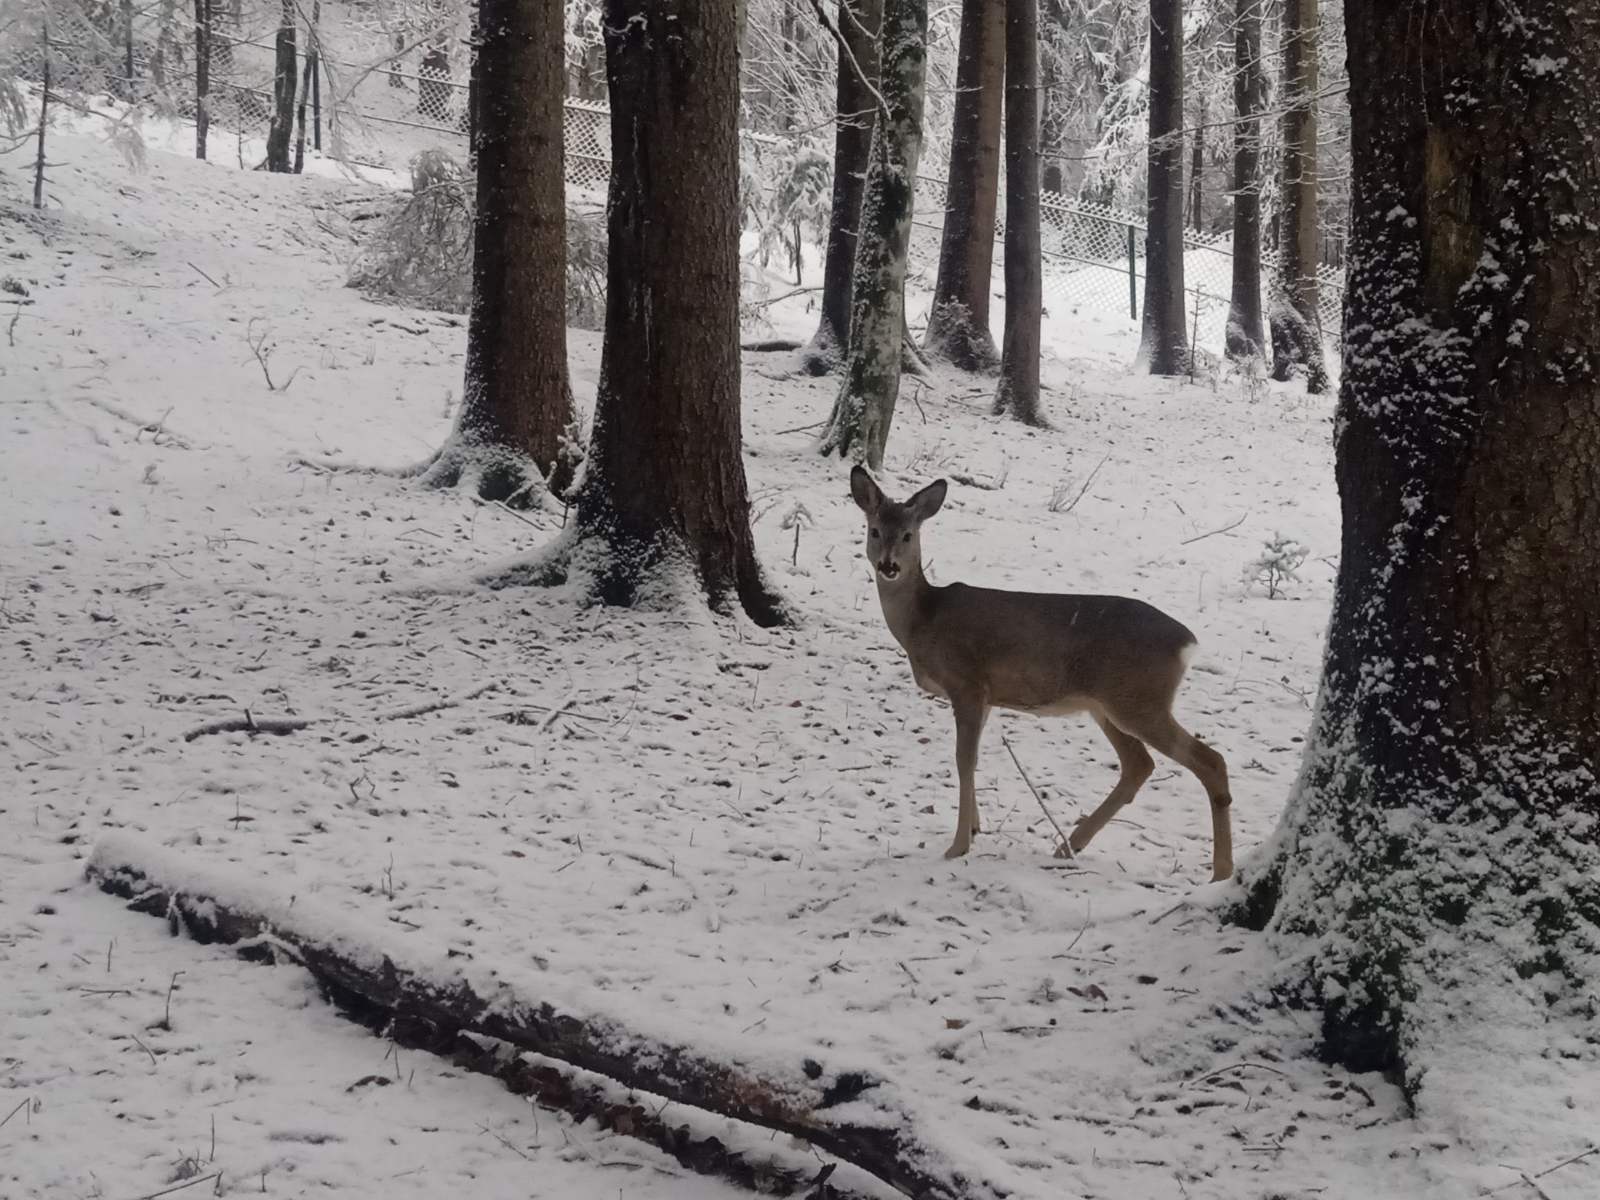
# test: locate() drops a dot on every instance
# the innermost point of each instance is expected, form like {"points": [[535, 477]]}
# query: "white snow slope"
{"points": [[731, 837]]}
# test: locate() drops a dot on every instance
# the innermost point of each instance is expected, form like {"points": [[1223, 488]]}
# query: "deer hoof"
{"points": [[959, 848], [1065, 850]]}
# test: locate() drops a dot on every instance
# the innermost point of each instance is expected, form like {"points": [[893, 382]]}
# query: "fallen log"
{"points": [[853, 1115]]}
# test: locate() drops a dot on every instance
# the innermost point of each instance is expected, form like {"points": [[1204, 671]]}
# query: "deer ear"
{"points": [[928, 501], [865, 493]]}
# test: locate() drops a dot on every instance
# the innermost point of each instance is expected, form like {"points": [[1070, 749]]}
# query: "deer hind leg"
{"points": [[1136, 765], [970, 717], [1165, 734]]}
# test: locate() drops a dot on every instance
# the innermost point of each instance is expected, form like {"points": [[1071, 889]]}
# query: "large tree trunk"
{"points": [[202, 75], [1163, 348], [864, 409], [665, 486], [283, 78], [1018, 392], [1244, 334], [958, 325], [511, 436], [1296, 329], [851, 1113], [1437, 873], [856, 111]]}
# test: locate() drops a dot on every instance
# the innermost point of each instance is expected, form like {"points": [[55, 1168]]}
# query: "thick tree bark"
{"points": [[1437, 873], [516, 413], [1018, 393], [1163, 346], [859, 425], [281, 128], [1296, 329], [1244, 337], [1197, 171], [958, 325], [859, 21], [382, 989], [664, 494]]}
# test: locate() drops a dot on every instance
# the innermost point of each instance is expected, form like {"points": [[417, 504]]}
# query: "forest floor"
{"points": [[729, 835]]}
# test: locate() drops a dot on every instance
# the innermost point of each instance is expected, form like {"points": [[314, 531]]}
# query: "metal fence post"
{"points": [[1133, 279]]}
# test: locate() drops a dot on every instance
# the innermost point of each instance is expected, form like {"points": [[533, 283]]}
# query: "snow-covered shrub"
{"points": [[586, 270], [1278, 565], [800, 201], [422, 254]]}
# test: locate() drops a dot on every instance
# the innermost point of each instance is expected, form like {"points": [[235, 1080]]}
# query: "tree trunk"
{"points": [[202, 75], [958, 325], [665, 486], [1244, 334], [1296, 332], [1018, 392], [283, 72], [516, 405], [1438, 869], [859, 425], [305, 94], [1197, 171], [1163, 347], [44, 115], [856, 111], [852, 1114]]}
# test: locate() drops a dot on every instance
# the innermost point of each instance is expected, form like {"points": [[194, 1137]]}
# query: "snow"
{"points": [[726, 837]]}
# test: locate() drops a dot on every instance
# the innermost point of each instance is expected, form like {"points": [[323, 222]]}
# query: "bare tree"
{"points": [[512, 433], [1244, 334], [202, 75], [1163, 346], [856, 109], [864, 409], [958, 325], [1296, 331], [1436, 876], [1018, 393], [283, 85], [663, 504]]}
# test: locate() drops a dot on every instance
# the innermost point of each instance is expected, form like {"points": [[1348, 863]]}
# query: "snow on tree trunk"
{"points": [[1436, 878], [1163, 346], [283, 79], [663, 496], [1296, 329], [514, 428], [1018, 392], [1244, 337], [859, 425], [856, 111], [958, 325]]}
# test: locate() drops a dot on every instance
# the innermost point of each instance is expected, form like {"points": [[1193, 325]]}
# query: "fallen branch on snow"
{"points": [[851, 1114], [282, 725]]}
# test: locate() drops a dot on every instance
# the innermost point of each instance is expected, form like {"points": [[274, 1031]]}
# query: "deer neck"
{"points": [[904, 601]]}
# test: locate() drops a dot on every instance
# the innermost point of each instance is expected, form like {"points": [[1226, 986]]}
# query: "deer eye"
{"points": [[872, 533], [906, 538]]}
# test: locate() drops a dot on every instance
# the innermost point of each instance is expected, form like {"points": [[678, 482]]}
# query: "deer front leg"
{"points": [[970, 716]]}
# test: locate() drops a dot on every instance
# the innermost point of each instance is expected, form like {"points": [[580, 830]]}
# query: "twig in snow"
{"points": [[1565, 1162], [188, 1183], [506, 1144], [249, 724], [1066, 508], [558, 710], [263, 352], [1202, 536], [1065, 840], [431, 706], [1244, 1066], [27, 1100], [206, 277]]}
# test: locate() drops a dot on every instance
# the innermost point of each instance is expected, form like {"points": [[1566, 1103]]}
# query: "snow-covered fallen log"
{"points": [[385, 979]]}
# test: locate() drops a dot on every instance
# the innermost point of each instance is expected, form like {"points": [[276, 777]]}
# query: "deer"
{"points": [[1115, 658]]}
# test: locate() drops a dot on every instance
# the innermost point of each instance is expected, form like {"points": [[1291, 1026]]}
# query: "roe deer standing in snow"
{"points": [[1117, 659]]}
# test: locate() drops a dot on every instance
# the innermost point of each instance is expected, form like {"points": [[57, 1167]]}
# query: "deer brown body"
{"points": [[1118, 659]]}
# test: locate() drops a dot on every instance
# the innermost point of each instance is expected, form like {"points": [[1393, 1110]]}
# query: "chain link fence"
{"points": [[380, 98]]}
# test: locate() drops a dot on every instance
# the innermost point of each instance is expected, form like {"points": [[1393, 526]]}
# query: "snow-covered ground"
{"points": [[729, 836]]}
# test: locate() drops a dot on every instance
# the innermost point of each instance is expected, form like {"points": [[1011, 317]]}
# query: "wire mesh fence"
{"points": [[381, 97]]}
